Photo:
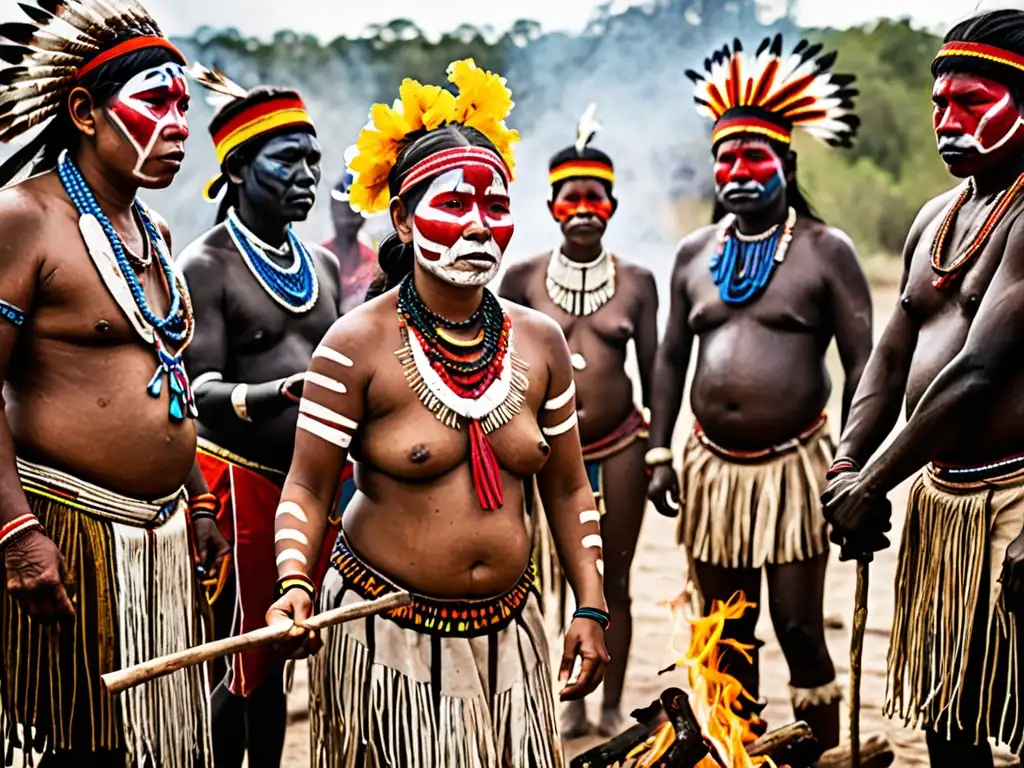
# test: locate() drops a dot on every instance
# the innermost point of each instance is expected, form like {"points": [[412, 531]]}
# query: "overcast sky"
{"points": [[331, 18]]}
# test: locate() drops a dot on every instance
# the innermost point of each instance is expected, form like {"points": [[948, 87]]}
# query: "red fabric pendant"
{"points": [[485, 469]]}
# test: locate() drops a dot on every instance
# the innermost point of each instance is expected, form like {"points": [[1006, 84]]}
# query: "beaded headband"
{"points": [[981, 51], [449, 159], [769, 94]]}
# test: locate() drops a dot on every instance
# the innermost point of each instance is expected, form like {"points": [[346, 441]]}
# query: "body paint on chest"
{"points": [[148, 104]]}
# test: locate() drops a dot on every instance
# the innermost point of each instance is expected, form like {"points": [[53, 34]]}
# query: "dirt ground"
{"points": [[658, 575]]}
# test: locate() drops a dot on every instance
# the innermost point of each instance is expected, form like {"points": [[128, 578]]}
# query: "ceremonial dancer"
{"points": [[601, 303], [452, 400], [97, 440], [263, 300], [765, 289], [952, 348], [352, 246]]}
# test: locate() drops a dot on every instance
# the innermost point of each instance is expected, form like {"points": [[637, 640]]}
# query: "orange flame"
{"points": [[715, 695]]}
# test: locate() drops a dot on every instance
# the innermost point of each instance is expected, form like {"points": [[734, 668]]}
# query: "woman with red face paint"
{"points": [[449, 400], [601, 303], [98, 439], [765, 290], [952, 349]]}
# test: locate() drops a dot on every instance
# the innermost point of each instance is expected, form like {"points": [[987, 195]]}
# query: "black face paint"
{"points": [[281, 179]]}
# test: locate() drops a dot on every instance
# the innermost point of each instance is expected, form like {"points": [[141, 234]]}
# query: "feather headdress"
{"points": [[483, 102], [581, 160], [63, 41], [243, 116], [769, 94]]}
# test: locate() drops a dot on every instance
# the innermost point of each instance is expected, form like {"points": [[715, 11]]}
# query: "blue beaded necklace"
{"points": [[741, 267], [176, 327], [295, 287]]}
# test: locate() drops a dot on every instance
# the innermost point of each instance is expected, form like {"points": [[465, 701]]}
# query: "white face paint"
{"points": [[454, 201]]}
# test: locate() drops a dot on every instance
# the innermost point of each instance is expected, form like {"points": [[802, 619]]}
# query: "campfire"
{"points": [[707, 727]]}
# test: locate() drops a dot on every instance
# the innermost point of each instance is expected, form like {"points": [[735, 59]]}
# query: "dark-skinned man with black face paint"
{"points": [[263, 300], [765, 290]]}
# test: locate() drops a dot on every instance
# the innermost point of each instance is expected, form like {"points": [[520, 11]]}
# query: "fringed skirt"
{"points": [[956, 652], [135, 598], [745, 509], [438, 683]]}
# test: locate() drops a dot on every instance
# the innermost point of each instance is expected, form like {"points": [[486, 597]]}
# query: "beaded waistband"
{"points": [[632, 429], [78, 494], [433, 616], [211, 448], [1009, 468], [802, 438]]}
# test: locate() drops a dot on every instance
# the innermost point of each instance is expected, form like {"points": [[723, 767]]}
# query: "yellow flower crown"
{"points": [[483, 103]]}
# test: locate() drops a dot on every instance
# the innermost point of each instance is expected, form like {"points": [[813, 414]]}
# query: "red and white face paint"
{"points": [[472, 200], [151, 107], [977, 123], [747, 171]]}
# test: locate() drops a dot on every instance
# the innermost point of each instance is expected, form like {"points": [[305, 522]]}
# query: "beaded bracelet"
{"points": [[602, 617], [17, 528], [296, 581], [204, 505], [840, 465]]}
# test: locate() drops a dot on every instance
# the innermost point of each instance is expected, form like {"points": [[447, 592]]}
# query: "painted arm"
{"points": [[36, 572], [222, 403], [670, 365], [646, 339], [851, 313], [575, 523], [331, 408]]}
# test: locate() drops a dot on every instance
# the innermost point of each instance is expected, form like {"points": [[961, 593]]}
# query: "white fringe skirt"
{"points": [[384, 694], [956, 651]]}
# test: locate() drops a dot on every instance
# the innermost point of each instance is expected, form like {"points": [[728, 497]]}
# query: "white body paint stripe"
{"points": [[333, 355], [326, 382], [600, 567], [206, 378], [291, 554], [330, 434], [291, 534], [314, 408], [561, 429], [293, 509], [592, 541], [563, 399], [590, 516]]}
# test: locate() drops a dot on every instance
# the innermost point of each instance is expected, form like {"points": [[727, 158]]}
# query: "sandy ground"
{"points": [[659, 574]]}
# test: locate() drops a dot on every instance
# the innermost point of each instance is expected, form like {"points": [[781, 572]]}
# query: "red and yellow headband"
{"points": [[124, 48], [574, 169], [981, 51], [283, 111], [730, 126]]}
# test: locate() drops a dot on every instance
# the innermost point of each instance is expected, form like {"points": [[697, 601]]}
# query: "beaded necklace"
{"points": [[742, 264], [949, 276], [294, 287], [580, 289], [480, 381], [177, 326]]}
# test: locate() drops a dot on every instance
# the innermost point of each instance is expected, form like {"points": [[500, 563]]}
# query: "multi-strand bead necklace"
{"points": [[742, 264], [949, 276], [174, 329], [480, 381]]}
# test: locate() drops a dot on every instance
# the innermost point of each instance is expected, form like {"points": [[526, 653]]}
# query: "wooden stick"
{"points": [[860, 620], [123, 679], [773, 741]]}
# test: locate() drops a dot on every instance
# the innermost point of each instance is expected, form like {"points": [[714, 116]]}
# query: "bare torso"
{"points": [[416, 516], [257, 340], [761, 377], [75, 393], [943, 319]]}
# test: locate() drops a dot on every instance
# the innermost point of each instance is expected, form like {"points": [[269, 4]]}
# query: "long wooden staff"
{"points": [[860, 620], [130, 677]]}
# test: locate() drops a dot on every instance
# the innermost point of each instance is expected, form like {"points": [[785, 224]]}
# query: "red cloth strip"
{"points": [[128, 46], [485, 469], [449, 159]]}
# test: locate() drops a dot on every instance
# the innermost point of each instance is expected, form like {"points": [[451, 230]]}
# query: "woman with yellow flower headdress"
{"points": [[449, 399]]}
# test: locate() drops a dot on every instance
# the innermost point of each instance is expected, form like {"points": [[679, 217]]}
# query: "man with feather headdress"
{"points": [[952, 349], [263, 299], [98, 439], [601, 302], [765, 290]]}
